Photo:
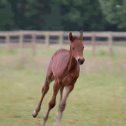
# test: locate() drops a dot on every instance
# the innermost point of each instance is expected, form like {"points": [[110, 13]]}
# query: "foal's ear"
{"points": [[71, 36], [81, 35]]}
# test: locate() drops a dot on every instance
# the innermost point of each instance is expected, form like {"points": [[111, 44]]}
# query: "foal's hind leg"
{"points": [[52, 102], [62, 105], [45, 89], [61, 92]]}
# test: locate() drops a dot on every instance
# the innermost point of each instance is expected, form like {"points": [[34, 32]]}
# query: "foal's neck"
{"points": [[72, 61]]}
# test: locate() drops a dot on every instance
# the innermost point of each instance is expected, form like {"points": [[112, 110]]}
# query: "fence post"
{"points": [[93, 44], [7, 41], [61, 38], [33, 43], [21, 42], [47, 39], [110, 41]]}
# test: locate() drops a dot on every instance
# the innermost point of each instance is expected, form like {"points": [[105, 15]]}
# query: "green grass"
{"points": [[99, 97]]}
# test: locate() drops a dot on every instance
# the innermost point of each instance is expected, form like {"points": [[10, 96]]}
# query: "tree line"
{"points": [[87, 15]]}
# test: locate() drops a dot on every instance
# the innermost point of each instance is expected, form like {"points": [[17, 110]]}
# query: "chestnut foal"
{"points": [[64, 69]]}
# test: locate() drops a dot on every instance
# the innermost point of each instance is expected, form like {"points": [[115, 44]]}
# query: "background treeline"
{"points": [[87, 15]]}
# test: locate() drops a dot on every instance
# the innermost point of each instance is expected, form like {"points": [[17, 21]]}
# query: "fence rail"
{"points": [[32, 38]]}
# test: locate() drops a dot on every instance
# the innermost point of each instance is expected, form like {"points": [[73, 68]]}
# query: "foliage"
{"points": [[76, 15], [115, 13], [6, 15], [82, 14], [36, 12]]}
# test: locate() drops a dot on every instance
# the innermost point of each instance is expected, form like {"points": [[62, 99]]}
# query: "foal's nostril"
{"points": [[84, 60], [81, 61]]}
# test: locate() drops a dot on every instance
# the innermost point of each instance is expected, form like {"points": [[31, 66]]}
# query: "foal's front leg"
{"points": [[62, 105], [45, 89]]}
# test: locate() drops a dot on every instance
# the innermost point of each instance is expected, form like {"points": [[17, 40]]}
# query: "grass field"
{"points": [[99, 97]]}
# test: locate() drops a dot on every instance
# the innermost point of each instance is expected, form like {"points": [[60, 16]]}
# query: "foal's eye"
{"points": [[73, 48]]}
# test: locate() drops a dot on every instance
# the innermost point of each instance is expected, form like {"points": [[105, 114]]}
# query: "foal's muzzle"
{"points": [[81, 61]]}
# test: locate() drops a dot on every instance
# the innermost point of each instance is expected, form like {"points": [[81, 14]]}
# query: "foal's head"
{"points": [[77, 47]]}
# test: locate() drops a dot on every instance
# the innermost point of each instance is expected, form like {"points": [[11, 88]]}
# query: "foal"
{"points": [[64, 69]]}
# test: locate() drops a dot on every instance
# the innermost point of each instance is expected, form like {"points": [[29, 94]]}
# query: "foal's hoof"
{"points": [[34, 114]]}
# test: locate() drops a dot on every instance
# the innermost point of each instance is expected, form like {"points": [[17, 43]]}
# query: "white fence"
{"points": [[23, 39]]}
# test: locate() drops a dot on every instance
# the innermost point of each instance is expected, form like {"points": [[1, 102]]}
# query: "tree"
{"points": [[87, 15], [6, 15], [53, 20], [18, 8], [82, 14], [36, 12], [114, 11]]}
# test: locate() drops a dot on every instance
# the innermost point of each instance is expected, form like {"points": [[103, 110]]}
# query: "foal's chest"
{"points": [[71, 77]]}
